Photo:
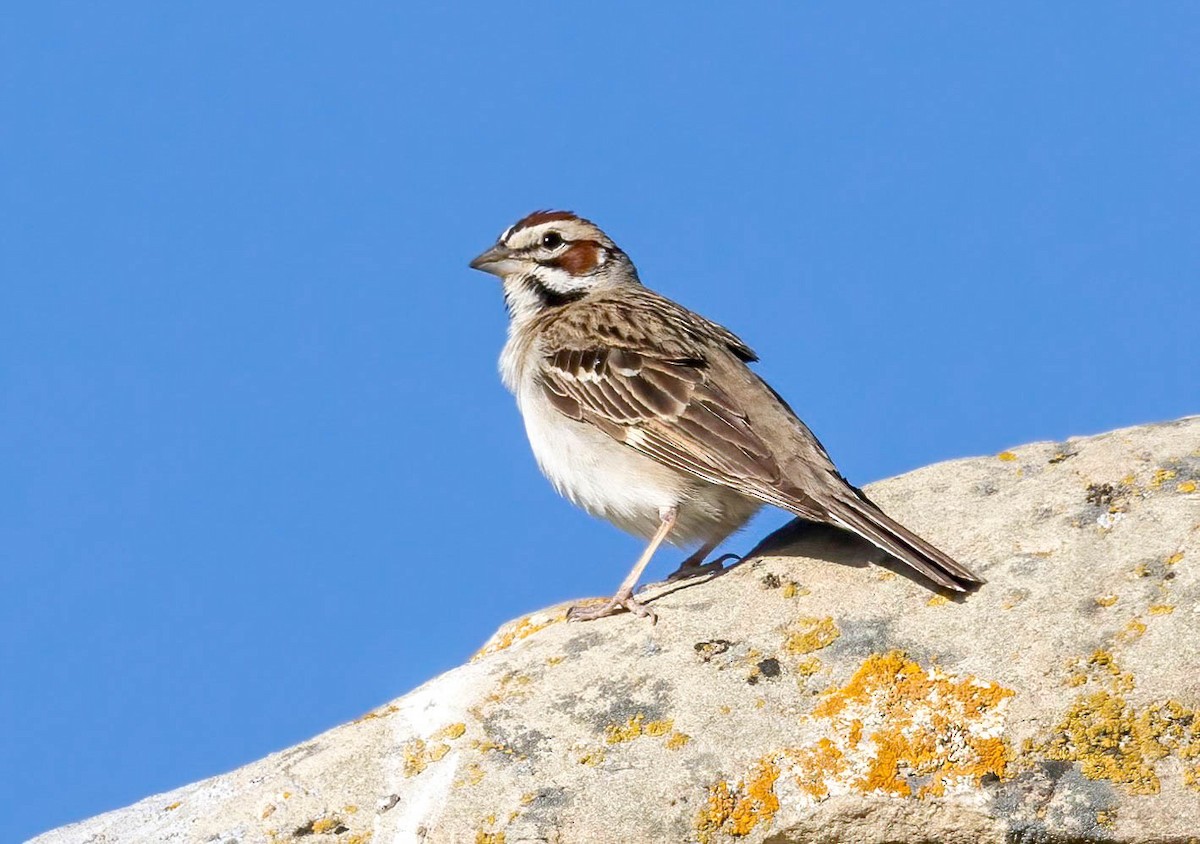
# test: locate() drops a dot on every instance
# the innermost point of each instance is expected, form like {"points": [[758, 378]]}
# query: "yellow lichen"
{"points": [[807, 634], [482, 837], [1106, 600], [360, 837], [631, 729], [450, 731], [1006, 456], [1161, 609], [1174, 558], [528, 797], [513, 686], [677, 740], [637, 726], [1161, 476], [1013, 598], [322, 825], [418, 753], [738, 810], [808, 666], [592, 758], [515, 631], [937, 601], [415, 759], [378, 713], [173, 806], [792, 589], [658, 728], [900, 720], [1111, 739], [472, 775], [1132, 630], [1186, 486]]}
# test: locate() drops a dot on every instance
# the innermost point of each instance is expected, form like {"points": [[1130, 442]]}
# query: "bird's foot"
{"points": [[694, 568], [623, 600]]}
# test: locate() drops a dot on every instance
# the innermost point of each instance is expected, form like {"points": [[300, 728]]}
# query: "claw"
{"points": [[614, 605], [690, 569]]}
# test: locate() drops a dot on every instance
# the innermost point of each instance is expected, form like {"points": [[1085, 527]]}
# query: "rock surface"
{"points": [[806, 695]]}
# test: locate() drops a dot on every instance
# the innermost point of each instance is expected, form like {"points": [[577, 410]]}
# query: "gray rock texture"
{"points": [[810, 694]]}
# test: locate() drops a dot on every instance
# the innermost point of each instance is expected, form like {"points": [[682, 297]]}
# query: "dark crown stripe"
{"points": [[539, 217]]}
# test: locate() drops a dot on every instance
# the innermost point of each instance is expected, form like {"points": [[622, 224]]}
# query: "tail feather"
{"points": [[864, 518]]}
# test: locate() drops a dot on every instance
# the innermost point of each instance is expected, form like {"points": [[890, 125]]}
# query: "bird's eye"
{"points": [[552, 240]]}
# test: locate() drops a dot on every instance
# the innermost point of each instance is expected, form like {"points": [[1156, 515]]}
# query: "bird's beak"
{"points": [[498, 260]]}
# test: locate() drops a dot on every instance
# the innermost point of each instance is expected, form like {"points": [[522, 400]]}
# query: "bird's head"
{"points": [[552, 258]]}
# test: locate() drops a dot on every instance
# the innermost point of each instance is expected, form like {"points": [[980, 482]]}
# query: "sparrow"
{"points": [[648, 415]]}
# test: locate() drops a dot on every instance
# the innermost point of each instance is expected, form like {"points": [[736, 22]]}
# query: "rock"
{"points": [[806, 695]]}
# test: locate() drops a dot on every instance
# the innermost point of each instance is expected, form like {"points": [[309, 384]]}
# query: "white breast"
{"points": [[611, 480], [604, 477]]}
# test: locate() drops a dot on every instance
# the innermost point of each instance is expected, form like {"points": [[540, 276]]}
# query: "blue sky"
{"points": [[259, 474]]}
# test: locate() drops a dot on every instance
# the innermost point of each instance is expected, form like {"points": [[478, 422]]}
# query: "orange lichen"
{"points": [[739, 809], [807, 634], [915, 722], [816, 766]]}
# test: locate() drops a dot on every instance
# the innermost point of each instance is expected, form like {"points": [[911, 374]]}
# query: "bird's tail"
{"points": [[863, 517]]}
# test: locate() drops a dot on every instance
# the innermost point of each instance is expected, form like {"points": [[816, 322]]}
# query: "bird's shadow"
{"points": [[818, 541]]}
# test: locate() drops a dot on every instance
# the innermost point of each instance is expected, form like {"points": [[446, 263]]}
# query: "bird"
{"points": [[648, 415]]}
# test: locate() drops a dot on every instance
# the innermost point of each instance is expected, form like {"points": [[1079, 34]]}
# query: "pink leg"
{"points": [[624, 598]]}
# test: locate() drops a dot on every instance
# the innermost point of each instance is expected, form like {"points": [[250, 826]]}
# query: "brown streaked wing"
{"points": [[665, 409]]}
